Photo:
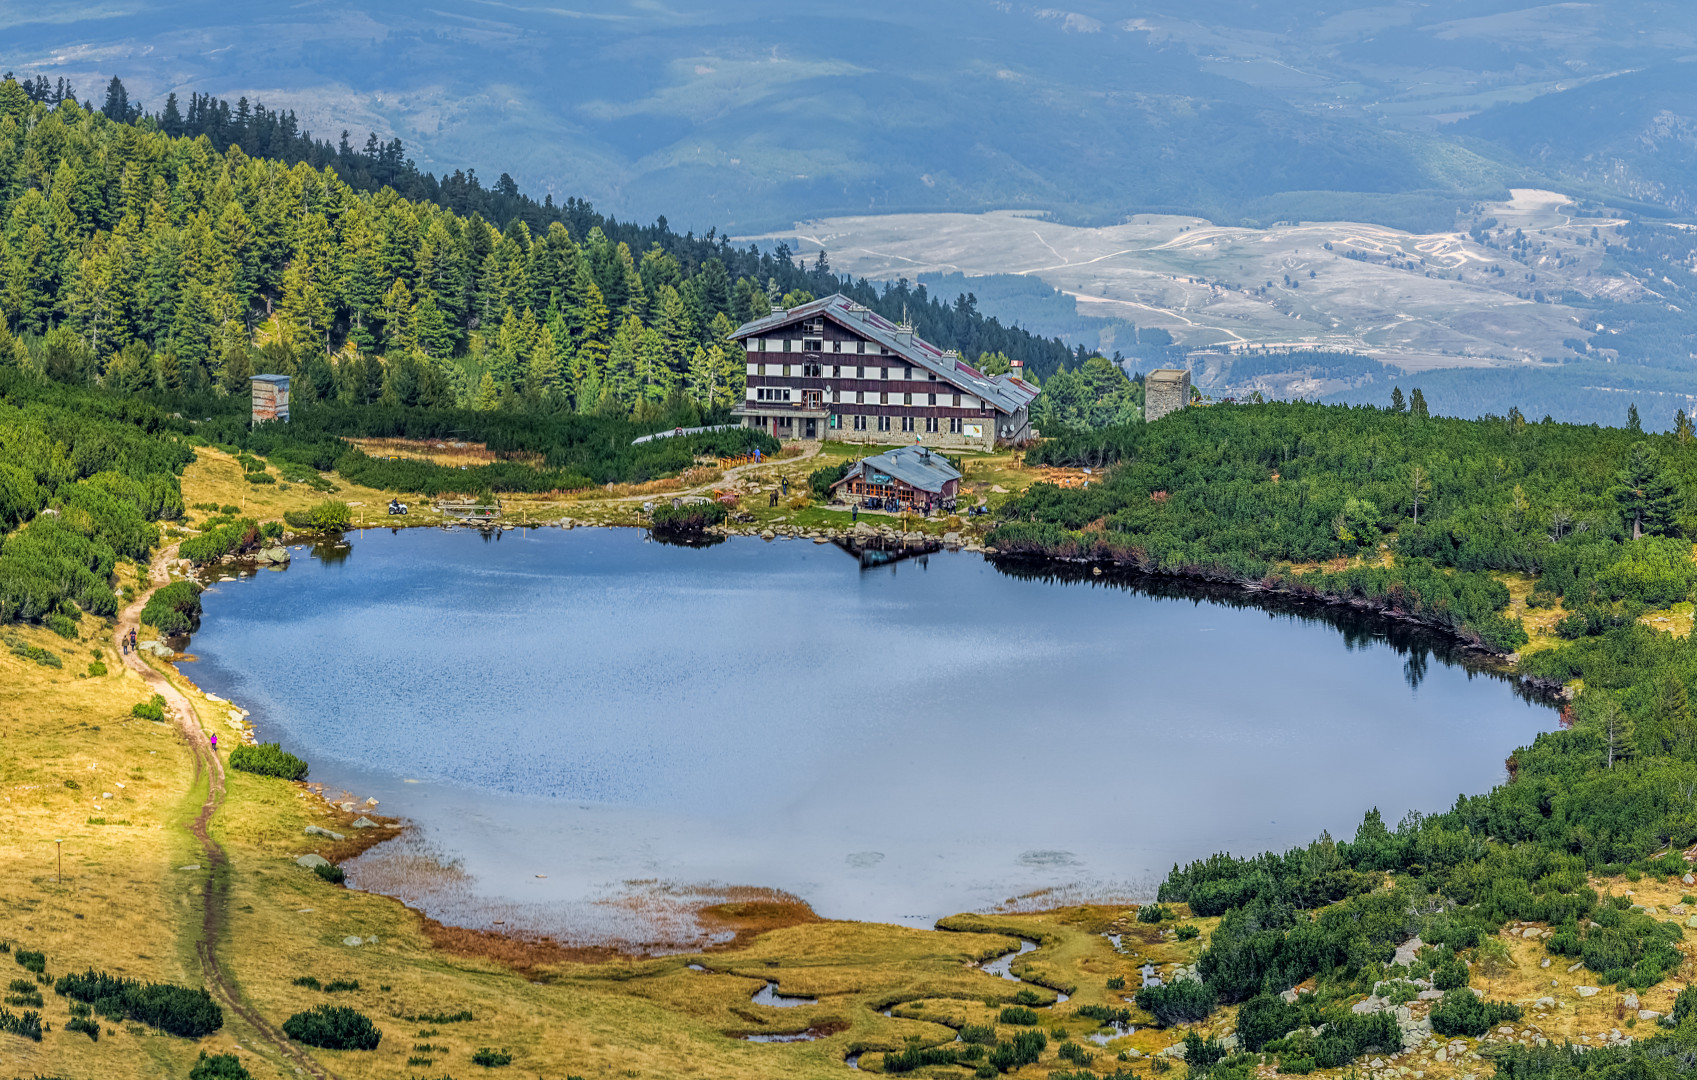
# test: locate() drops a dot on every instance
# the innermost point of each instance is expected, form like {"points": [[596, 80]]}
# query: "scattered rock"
{"points": [[1544, 963], [1691, 920], [312, 862], [1366, 1007], [1529, 932], [1649, 1014], [353, 940], [1289, 997], [314, 830], [1586, 991], [1431, 995], [1630, 1001], [1546, 1002], [1571, 968], [1405, 952], [1689, 880], [365, 823], [190, 866], [768, 535]]}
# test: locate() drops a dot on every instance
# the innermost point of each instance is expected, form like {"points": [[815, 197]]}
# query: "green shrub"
{"points": [[1188, 932], [491, 1059], [820, 480], [463, 1016], [177, 1010], [63, 625], [978, 1034], [1023, 1049], [1183, 1002], [337, 986], [1018, 1014], [331, 515], [96, 669], [1071, 1051], [308, 981], [174, 609], [1027, 996], [44, 657], [688, 517], [31, 960], [1266, 1017], [152, 709], [333, 1027], [214, 544], [1116, 982], [1450, 974], [1102, 1014], [91, 1028], [26, 1025], [1462, 1013], [260, 478], [268, 759], [219, 1067], [1200, 1053], [1152, 913], [335, 876]]}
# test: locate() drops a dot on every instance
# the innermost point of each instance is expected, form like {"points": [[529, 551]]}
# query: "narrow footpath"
{"points": [[214, 898]]}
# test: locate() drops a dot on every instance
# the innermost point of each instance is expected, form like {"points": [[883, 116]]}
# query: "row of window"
{"points": [[817, 345], [932, 425], [859, 397], [812, 370]]}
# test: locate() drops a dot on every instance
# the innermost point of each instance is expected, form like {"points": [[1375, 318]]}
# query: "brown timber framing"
{"points": [[831, 369]]}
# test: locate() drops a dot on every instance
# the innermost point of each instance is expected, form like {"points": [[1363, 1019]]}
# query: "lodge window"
{"points": [[836, 346], [860, 421], [812, 345], [907, 399], [761, 343], [933, 398], [957, 401], [883, 423], [954, 425], [860, 397], [860, 373], [883, 373], [860, 346], [883, 398], [786, 344], [812, 371], [907, 424], [772, 393], [786, 370], [816, 326], [930, 425]]}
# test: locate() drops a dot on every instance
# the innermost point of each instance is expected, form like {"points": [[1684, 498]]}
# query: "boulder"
{"points": [[366, 823], [1691, 920], [314, 830], [1586, 991], [1630, 1000], [353, 940], [274, 555], [768, 535], [1366, 1007], [1546, 1003], [1544, 963], [1689, 880], [1649, 1014], [312, 862], [1431, 995]]}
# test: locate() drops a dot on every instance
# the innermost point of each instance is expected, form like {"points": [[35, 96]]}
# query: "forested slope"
{"points": [[1395, 509]]}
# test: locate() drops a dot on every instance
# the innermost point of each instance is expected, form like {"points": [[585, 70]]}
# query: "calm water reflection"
{"points": [[895, 743]]}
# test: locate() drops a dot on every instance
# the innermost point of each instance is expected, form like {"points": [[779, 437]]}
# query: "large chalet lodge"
{"points": [[832, 369]]}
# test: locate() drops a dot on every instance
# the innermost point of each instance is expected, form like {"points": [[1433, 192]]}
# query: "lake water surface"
{"points": [[589, 728]]}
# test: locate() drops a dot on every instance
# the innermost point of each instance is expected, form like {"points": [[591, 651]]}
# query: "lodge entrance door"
{"points": [[812, 428]]}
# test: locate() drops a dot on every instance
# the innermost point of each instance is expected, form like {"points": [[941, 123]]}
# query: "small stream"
{"points": [[1002, 967]]}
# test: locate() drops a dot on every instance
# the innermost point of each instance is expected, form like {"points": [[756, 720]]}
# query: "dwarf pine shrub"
{"points": [[268, 759], [219, 1067], [333, 1027]]}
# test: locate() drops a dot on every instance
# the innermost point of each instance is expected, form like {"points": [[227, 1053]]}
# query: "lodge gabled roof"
{"points": [[1008, 393], [916, 466]]}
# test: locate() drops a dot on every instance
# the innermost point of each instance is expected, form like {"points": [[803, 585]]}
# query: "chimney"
{"points": [[778, 309], [904, 333]]}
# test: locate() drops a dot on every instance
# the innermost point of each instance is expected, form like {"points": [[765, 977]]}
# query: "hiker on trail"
{"points": [[215, 742], [757, 455], [854, 514], [774, 500], [786, 485]]}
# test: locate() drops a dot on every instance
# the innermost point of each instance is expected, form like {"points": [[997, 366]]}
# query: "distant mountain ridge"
{"points": [[751, 114]]}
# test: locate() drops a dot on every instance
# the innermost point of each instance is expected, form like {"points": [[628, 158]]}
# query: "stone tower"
{"points": [[1165, 390]]}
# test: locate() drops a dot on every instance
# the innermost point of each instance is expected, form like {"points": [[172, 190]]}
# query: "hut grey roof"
{"points": [[1007, 393], [279, 380], [916, 466], [1165, 376]]}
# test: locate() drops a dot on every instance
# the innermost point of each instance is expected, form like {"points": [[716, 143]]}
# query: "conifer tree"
{"points": [[1397, 403], [619, 387], [1632, 423], [237, 371], [487, 396], [1648, 498], [1417, 405]]}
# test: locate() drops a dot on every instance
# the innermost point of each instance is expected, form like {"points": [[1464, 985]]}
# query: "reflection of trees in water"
{"points": [[332, 552], [685, 540], [1360, 629]]}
